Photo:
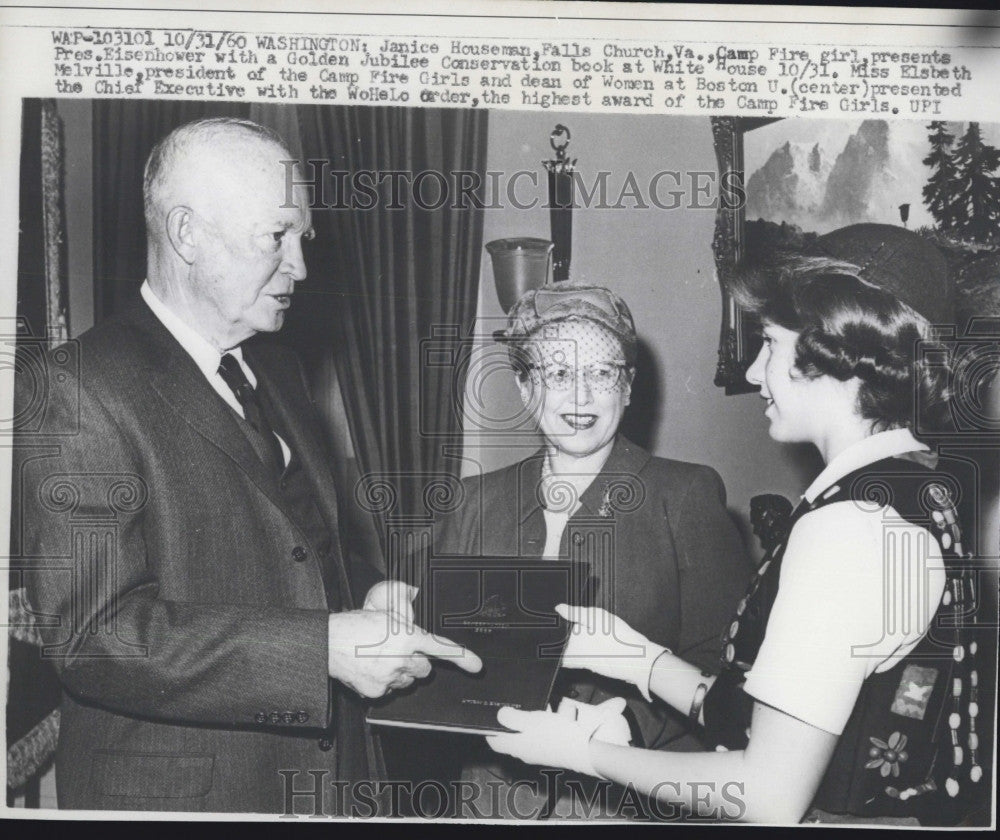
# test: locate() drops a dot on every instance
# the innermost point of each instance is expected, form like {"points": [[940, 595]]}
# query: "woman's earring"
{"points": [[523, 390]]}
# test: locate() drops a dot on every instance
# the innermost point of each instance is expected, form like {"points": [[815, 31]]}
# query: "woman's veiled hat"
{"points": [[562, 301]]}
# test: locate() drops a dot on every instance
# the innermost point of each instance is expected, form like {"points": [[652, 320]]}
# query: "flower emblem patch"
{"points": [[886, 756]]}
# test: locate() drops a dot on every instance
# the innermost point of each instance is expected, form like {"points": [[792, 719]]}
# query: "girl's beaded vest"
{"points": [[910, 747]]}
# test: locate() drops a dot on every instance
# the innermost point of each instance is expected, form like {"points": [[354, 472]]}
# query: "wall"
{"points": [[661, 263]]}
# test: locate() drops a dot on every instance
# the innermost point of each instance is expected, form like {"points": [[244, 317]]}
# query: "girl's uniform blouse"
{"points": [[858, 588]]}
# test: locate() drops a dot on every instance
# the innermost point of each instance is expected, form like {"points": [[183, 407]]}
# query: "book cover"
{"points": [[503, 610]]}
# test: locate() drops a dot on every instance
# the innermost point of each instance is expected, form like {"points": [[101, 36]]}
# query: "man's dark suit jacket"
{"points": [[185, 610]]}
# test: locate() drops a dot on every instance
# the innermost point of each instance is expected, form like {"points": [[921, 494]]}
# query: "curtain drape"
{"points": [[396, 285], [395, 289]]}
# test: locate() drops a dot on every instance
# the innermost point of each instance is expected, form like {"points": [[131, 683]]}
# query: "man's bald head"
{"points": [[225, 238], [197, 157]]}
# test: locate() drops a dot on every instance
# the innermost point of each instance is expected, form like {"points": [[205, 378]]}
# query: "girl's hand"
{"points": [[601, 642], [551, 739]]}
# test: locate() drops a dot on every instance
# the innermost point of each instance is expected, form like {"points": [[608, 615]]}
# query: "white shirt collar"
{"points": [[873, 448], [205, 355]]}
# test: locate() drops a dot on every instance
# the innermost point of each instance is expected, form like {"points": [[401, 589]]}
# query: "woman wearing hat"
{"points": [[655, 533], [849, 680]]}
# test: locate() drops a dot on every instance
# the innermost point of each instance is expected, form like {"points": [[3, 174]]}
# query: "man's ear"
{"points": [[180, 232]]}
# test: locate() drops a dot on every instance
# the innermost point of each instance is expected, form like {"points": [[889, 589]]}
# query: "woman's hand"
{"points": [[561, 739], [601, 642]]}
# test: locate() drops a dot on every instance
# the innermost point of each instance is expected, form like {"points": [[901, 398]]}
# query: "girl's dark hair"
{"points": [[849, 328]]}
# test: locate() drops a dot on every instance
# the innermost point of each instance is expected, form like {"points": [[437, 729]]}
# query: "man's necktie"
{"points": [[232, 374]]}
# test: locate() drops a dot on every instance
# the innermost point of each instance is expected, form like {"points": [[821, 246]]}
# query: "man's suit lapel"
{"points": [[175, 377]]}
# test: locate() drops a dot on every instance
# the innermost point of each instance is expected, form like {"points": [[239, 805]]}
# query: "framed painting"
{"points": [[804, 178]]}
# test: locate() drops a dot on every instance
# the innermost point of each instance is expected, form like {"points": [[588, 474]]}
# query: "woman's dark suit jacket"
{"points": [[658, 538]]}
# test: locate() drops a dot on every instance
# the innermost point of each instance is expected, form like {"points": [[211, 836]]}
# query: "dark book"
{"points": [[504, 611]]}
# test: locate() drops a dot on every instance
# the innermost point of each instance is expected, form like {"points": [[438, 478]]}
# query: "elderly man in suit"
{"points": [[179, 511]]}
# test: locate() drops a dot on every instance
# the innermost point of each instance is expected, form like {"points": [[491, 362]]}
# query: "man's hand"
{"points": [[392, 596], [374, 651], [601, 642]]}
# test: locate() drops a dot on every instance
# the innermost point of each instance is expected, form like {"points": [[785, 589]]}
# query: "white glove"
{"points": [[611, 728], [550, 739], [601, 642]]}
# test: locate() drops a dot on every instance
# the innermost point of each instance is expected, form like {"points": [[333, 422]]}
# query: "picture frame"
{"points": [[739, 342]]}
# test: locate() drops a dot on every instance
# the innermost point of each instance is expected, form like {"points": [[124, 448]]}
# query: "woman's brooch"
{"points": [[605, 509]]}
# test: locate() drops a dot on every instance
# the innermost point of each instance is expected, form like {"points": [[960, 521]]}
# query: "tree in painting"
{"points": [[939, 192], [977, 163]]}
